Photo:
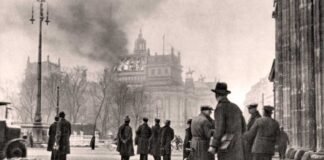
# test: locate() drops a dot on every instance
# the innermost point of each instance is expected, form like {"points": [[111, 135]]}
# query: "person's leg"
{"points": [[141, 157]]}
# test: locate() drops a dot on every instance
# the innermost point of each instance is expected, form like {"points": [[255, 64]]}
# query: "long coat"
{"points": [[201, 129], [167, 135], [247, 145], [228, 120], [155, 140], [283, 142], [143, 134], [51, 138], [63, 133], [264, 134], [125, 141], [186, 143]]}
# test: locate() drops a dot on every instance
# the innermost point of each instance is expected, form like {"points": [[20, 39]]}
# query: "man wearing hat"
{"points": [[264, 135], [229, 127], [254, 115], [167, 135], [202, 130], [143, 134], [63, 133], [155, 140], [187, 141], [125, 140]]}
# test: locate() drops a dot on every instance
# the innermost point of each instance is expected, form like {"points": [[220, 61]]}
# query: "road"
{"points": [[86, 154]]}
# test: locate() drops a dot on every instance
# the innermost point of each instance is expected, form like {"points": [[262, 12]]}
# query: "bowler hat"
{"points": [[221, 88], [204, 108], [268, 108], [62, 114], [189, 121], [145, 119], [157, 120], [253, 105]]}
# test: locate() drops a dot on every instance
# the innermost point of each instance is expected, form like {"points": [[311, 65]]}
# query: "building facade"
{"points": [[298, 71], [161, 76]]}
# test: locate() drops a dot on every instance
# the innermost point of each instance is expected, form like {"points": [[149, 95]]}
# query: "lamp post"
{"points": [[38, 128], [38, 116]]}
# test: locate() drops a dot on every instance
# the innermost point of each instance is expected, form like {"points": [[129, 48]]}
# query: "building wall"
{"points": [[299, 71]]}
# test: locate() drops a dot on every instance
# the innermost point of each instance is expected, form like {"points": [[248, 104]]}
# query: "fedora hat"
{"points": [[221, 88], [253, 105]]}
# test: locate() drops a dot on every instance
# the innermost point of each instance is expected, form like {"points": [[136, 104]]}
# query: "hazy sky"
{"points": [[232, 40]]}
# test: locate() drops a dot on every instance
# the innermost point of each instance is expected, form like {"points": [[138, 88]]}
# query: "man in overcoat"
{"points": [[143, 134], [51, 136], [202, 129], [254, 116], [125, 145], [264, 134], [155, 140], [63, 133], [229, 125], [167, 135], [187, 141]]}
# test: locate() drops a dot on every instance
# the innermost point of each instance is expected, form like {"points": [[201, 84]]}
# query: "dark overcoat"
{"points": [[143, 134], [167, 135], [125, 145], [63, 133], [51, 136], [229, 120], [264, 134], [186, 143], [201, 128], [155, 140], [283, 142], [247, 145]]}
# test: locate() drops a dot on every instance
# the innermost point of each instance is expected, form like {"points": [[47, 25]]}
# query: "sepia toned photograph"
{"points": [[161, 80]]}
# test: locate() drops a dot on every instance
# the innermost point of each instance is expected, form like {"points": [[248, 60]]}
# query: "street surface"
{"points": [[86, 154]]}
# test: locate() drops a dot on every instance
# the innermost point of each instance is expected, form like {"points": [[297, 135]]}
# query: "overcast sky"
{"points": [[232, 40]]}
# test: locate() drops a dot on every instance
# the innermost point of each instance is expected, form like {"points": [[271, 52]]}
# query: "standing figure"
{"points": [[125, 140], [187, 141], [264, 135], [167, 135], [63, 133], [155, 140], [143, 134], [254, 116], [93, 142], [31, 140], [229, 127], [51, 139], [202, 130], [282, 143]]}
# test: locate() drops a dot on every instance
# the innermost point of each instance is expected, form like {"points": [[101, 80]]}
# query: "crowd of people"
{"points": [[227, 135]]}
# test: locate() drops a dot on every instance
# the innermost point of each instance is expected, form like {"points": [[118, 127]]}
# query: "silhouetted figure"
{"points": [[155, 140], [51, 139], [229, 125], [202, 130], [282, 143], [187, 141], [31, 140], [125, 140], [63, 133], [143, 134], [167, 135], [93, 142], [264, 134]]}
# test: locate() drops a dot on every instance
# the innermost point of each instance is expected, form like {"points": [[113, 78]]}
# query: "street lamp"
{"points": [[38, 117]]}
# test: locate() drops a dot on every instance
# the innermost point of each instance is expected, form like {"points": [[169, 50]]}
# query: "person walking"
{"points": [[125, 140], [63, 133], [167, 135], [252, 108], [202, 129], [51, 137], [155, 140], [282, 143], [143, 134], [229, 127], [187, 141], [264, 135], [93, 142]]}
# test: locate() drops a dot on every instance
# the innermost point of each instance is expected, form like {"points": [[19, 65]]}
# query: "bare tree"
{"points": [[28, 99], [121, 98], [139, 101]]}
